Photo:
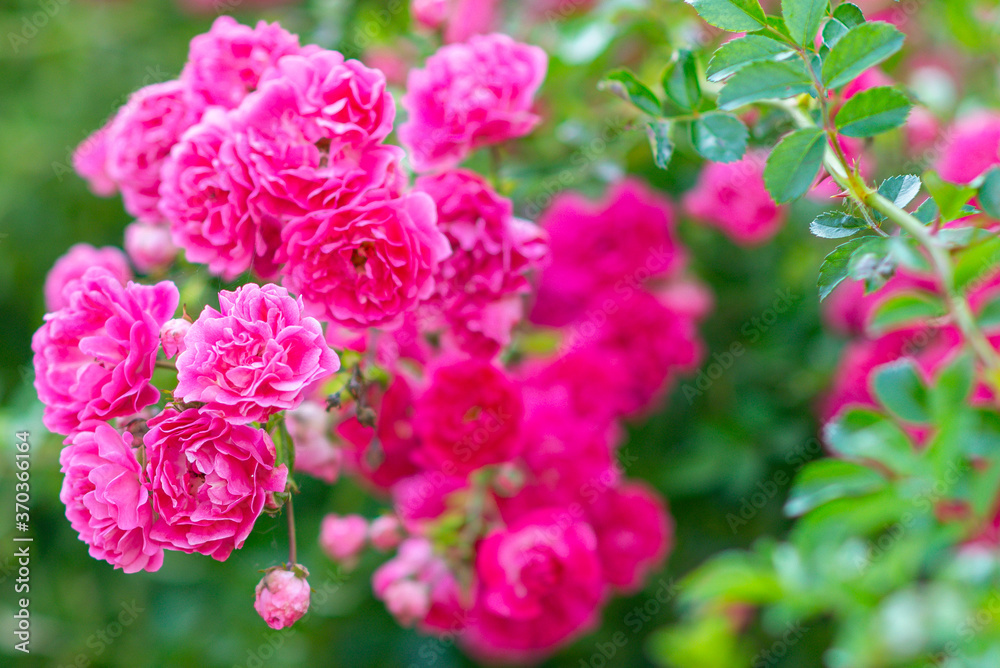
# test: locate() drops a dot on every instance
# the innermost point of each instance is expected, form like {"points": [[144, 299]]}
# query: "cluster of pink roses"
{"points": [[491, 420]]}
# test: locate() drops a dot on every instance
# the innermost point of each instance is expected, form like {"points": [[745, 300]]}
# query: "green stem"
{"points": [[291, 532]]}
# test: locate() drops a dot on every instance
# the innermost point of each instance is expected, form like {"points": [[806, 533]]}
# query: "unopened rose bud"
{"points": [[408, 601], [429, 13], [283, 596], [150, 247], [172, 336], [509, 480], [343, 538], [385, 532]]}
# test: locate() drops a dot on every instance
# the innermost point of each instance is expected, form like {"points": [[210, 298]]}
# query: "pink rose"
{"points": [[418, 587], [95, 357], [539, 585], [172, 335], [365, 265], [64, 277], [469, 417], [343, 537], [732, 197], [107, 498], [972, 146], [226, 63], [149, 247], [408, 601], [210, 480], [471, 95], [139, 139], [385, 532], [90, 160], [255, 356], [282, 596], [430, 13]]}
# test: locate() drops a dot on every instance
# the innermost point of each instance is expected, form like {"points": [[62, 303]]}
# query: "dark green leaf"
{"points": [[950, 197], [905, 308], [989, 193], [624, 84], [680, 81], [738, 53], [827, 479], [927, 212], [900, 389], [765, 80], [873, 112], [849, 14], [719, 137], [793, 164], [836, 225], [835, 267], [731, 15], [862, 47], [661, 141], [900, 190], [803, 18]]}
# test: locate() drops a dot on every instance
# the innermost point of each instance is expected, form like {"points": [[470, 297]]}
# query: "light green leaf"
{"points": [[824, 480], [862, 47], [731, 15], [900, 190], [900, 389], [873, 112], [680, 81], [719, 137], [906, 308], [625, 85], [849, 14], [950, 197], [803, 18], [832, 32], [977, 262], [738, 53], [836, 225], [989, 313], [793, 164], [765, 80], [661, 141]]}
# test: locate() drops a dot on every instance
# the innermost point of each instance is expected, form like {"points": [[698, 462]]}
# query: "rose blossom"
{"points": [[470, 95], [149, 247], [253, 357], [107, 500], [417, 587], [94, 358], [282, 596], [70, 267], [343, 537], [972, 146], [430, 13], [385, 532], [172, 335], [732, 197], [225, 64], [139, 139], [469, 417], [210, 480], [90, 160], [366, 265]]}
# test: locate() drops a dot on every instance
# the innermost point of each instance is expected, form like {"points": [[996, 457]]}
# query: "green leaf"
{"points": [[738, 53], [835, 267], [900, 389], [849, 14], [680, 81], [873, 112], [900, 190], [927, 212], [989, 193], [833, 31], [624, 84], [862, 434], [950, 197], [977, 262], [872, 263], [793, 164], [989, 313], [908, 252], [905, 308], [661, 141], [862, 47], [731, 15], [824, 480], [719, 137], [803, 18], [765, 80], [952, 387], [836, 225]]}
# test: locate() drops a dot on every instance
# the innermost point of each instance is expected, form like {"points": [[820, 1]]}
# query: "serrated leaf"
{"points": [[834, 269], [803, 18], [625, 85], [793, 164], [731, 15], [873, 112], [661, 141], [900, 389], [763, 81], [989, 193], [719, 137], [864, 46], [950, 197], [824, 480], [836, 225], [849, 14], [900, 190], [738, 53], [680, 81], [905, 308]]}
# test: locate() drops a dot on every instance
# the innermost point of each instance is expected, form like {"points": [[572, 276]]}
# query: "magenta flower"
{"points": [[255, 356], [210, 479], [107, 498], [343, 537], [94, 358], [282, 596], [150, 247], [172, 336], [971, 146], [65, 274], [470, 95], [90, 160]]}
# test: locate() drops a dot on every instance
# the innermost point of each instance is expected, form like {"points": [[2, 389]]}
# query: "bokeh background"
{"points": [[67, 65]]}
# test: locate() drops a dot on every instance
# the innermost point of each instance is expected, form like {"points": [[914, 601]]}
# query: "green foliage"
{"points": [[803, 18], [794, 163], [863, 46], [719, 137], [732, 15], [738, 53], [836, 225], [873, 112], [625, 85], [765, 81]]}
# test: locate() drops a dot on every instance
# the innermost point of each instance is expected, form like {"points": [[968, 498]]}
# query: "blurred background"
{"points": [[716, 449]]}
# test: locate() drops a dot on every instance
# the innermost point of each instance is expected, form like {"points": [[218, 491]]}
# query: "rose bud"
{"points": [[283, 596]]}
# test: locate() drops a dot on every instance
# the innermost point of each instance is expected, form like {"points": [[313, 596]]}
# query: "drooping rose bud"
{"points": [[149, 246], [283, 596], [172, 336], [408, 601], [343, 537], [385, 532]]}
